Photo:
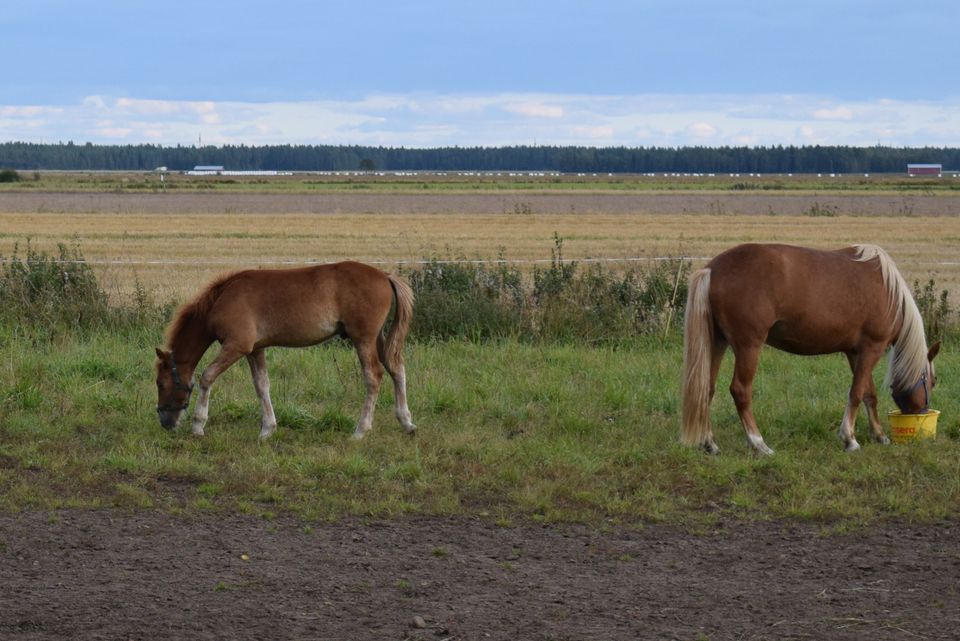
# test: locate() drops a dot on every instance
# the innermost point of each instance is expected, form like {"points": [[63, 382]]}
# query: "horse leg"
{"points": [[372, 375], [261, 382], [745, 368], [399, 376], [228, 356], [861, 390], [876, 427], [716, 358]]}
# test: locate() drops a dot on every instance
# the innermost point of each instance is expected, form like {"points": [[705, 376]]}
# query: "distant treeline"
{"points": [[778, 159]]}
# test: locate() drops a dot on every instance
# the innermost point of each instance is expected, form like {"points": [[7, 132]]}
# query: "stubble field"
{"points": [[171, 242]]}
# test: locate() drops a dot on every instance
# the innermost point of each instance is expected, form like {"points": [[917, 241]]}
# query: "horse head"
{"points": [[173, 394], [916, 400]]}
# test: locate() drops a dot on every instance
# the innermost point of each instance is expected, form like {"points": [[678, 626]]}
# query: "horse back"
{"points": [[799, 299], [301, 306]]}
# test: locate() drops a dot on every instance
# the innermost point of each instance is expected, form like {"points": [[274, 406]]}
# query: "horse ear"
{"points": [[160, 354], [934, 350]]}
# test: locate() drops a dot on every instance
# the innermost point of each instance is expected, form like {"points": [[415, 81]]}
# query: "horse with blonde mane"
{"points": [[802, 301], [248, 311]]}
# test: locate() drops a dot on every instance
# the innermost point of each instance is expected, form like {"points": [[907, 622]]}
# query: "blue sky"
{"points": [[424, 72]]}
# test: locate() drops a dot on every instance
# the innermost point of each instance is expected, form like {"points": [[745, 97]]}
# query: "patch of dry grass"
{"points": [[171, 255]]}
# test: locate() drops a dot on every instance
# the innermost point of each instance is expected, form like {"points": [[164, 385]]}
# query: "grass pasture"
{"points": [[546, 431], [506, 431]]}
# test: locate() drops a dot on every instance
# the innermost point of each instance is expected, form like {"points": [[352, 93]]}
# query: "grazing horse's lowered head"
{"points": [[173, 389], [916, 399]]}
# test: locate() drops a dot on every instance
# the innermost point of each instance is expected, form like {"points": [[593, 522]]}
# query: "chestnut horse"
{"points": [[802, 301], [248, 311]]}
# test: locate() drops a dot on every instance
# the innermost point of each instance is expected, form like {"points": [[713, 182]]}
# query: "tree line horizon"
{"points": [[776, 159]]}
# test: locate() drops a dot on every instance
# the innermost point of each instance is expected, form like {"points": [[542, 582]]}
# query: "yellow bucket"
{"points": [[907, 427]]}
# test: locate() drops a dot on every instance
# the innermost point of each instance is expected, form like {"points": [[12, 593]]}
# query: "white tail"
{"points": [[697, 353], [393, 350]]}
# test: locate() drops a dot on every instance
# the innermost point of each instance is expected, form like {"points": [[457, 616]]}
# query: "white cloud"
{"points": [[425, 120], [835, 113], [534, 109], [702, 130]]}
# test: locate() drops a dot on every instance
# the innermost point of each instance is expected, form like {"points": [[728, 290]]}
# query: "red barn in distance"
{"points": [[924, 169]]}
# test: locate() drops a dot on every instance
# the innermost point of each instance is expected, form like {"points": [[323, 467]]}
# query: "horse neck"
{"points": [[189, 343]]}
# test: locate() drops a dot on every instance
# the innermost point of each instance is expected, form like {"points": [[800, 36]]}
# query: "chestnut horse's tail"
{"points": [[697, 354], [393, 350]]}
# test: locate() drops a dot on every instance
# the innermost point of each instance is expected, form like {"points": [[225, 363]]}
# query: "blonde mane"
{"points": [[908, 357]]}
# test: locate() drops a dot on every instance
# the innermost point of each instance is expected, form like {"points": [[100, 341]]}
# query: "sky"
{"points": [[426, 73]]}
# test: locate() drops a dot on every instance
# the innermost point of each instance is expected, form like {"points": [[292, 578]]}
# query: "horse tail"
{"points": [[393, 350], [697, 354]]}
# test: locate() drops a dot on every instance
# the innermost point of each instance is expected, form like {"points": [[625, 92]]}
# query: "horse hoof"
{"points": [[852, 446], [412, 430], [357, 436], [711, 448]]}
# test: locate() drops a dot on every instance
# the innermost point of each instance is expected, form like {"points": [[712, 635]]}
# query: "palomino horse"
{"points": [[802, 301], [250, 310]]}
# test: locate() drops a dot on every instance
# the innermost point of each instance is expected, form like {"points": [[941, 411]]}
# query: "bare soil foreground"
{"points": [[150, 575], [875, 204]]}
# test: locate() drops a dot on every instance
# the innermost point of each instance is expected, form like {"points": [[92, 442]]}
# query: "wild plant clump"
{"points": [[563, 302], [938, 315], [39, 290]]}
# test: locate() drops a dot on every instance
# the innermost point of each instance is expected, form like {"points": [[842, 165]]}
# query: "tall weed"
{"points": [[562, 302]]}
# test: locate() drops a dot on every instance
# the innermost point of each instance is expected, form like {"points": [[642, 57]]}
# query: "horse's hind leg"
{"points": [[716, 358], [261, 382], [372, 375], [399, 376], [745, 368]]}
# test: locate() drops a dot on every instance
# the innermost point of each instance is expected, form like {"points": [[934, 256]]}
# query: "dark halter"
{"points": [[901, 398], [180, 385]]}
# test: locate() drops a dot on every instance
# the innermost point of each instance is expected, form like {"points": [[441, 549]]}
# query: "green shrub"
{"points": [[9, 176], [41, 295], [934, 308], [563, 302], [40, 291]]}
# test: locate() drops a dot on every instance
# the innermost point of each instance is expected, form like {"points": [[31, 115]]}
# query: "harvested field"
{"points": [[171, 242]]}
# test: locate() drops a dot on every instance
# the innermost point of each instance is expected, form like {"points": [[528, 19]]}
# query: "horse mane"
{"points": [[198, 308], [908, 358]]}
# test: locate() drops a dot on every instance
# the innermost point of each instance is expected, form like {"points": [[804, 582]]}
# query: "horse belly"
{"points": [[810, 339], [294, 332]]}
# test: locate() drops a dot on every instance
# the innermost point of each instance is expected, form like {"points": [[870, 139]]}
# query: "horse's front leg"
{"points": [[862, 390], [228, 356], [261, 382]]}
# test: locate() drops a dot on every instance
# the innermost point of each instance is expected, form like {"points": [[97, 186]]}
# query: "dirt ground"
{"points": [[150, 575]]}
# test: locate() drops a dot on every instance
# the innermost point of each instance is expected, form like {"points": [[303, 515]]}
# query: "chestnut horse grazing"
{"points": [[802, 301], [251, 310]]}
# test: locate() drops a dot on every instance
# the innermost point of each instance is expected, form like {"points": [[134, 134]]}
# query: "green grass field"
{"points": [[506, 431]]}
